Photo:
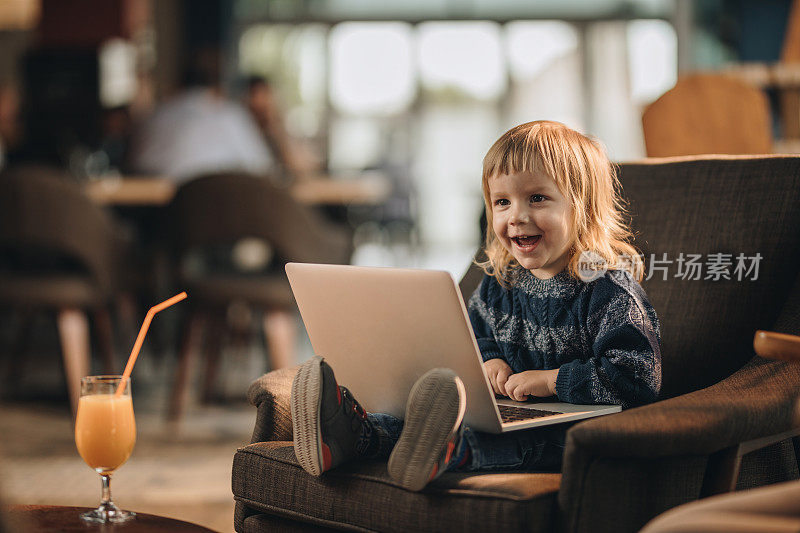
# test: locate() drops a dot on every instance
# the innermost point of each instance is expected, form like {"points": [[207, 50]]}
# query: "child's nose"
{"points": [[520, 216]]}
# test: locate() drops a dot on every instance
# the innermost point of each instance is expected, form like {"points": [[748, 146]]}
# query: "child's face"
{"points": [[532, 220]]}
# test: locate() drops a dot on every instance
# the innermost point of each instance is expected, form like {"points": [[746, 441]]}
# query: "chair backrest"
{"points": [[220, 209], [705, 206], [43, 211], [708, 114]]}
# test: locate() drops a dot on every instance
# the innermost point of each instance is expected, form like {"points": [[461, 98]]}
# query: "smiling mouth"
{"points": [[526, 242]]}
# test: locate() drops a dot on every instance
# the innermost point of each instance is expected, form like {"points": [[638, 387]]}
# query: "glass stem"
{"points": [[106, 478]]}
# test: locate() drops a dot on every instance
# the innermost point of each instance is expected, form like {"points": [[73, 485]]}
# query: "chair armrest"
{"points": [[756, 401], [271, 394], [774, 345], [662, 452]]}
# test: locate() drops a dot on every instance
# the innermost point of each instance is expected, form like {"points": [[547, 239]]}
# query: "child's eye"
{"points": [[501, 202], [536, 198]]}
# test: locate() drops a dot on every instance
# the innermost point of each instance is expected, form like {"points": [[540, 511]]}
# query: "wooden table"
{"points": [[50, 518], [159, 191]]}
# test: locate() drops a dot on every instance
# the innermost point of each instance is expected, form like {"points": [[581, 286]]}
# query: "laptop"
{"points": [[381, 329]]}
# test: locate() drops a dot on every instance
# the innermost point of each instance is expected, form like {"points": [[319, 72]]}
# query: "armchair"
{"points": [[773, 508], [725, 418]]}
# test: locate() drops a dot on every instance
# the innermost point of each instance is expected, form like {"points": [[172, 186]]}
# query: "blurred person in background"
{"points": [[294, 159], [199, 131]]}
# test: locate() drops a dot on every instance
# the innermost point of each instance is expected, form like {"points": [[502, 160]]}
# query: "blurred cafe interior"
{"points": [[150, 147]]}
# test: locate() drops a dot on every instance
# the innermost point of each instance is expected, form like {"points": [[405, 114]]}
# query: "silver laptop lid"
{"points": [[382, 328]]}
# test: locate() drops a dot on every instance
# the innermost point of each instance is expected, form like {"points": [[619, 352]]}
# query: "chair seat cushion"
{"points": [[261, 291], [268, 479], [50, 290]]}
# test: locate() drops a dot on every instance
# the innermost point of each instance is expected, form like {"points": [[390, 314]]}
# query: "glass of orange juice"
{"points": [[105, 432]]}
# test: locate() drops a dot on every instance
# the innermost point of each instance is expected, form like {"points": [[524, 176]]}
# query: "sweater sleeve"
{"points": [[482, 319], [625, 364]]}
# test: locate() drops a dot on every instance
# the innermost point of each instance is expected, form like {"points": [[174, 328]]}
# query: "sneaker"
{"points": [[327, 421], [431, 431]]}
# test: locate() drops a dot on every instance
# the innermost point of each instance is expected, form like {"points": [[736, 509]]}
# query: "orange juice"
{"points": [[105, 430]]}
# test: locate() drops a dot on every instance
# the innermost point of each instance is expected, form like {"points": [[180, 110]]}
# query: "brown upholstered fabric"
{"points": [[271, 394], [772, 464], [757, 401], [350, 495], [622, 494], [259, 522], [704, 206]]}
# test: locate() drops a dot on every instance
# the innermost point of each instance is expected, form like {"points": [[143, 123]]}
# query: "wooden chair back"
{"points": [[708, 114]]}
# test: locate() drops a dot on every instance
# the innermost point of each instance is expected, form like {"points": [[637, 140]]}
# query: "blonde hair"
{"points": [[586, 178]]}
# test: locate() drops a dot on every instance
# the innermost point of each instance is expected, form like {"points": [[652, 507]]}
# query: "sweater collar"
{"points": [[559, 285]]}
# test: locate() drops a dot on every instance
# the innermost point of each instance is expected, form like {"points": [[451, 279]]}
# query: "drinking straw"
{"points": [[140, 338]]}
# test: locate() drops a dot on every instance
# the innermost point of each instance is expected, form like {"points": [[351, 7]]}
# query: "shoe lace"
{"points": [[351, 405]]}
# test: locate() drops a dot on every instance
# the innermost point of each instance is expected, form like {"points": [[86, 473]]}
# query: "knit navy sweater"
{"points": [[603, 336]]}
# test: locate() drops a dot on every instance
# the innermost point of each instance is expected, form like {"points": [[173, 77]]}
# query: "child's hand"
{"points": [[498, 372], [531, 383]]}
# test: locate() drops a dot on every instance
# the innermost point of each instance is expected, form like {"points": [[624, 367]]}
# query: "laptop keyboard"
{"points": [[509, 413]]}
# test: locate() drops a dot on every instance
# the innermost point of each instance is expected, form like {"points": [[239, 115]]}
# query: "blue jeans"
{"points": [[532, 450]]}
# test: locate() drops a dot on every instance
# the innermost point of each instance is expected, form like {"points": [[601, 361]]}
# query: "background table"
{"points": [[159, 191], [49, 518]]}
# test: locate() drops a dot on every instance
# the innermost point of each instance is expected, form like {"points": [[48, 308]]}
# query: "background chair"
{"points": [[708, 114], [208, 218], [57, 254], [725, 419]]}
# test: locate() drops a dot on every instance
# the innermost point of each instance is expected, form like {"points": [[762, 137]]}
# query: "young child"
{"points": [[548, 321]]}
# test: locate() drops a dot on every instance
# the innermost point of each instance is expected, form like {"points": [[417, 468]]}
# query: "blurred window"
{"points": [[462, 58], [422, 101], [372, 68], [545, 67], [356, 142], [652, 59], [534, 46]]}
